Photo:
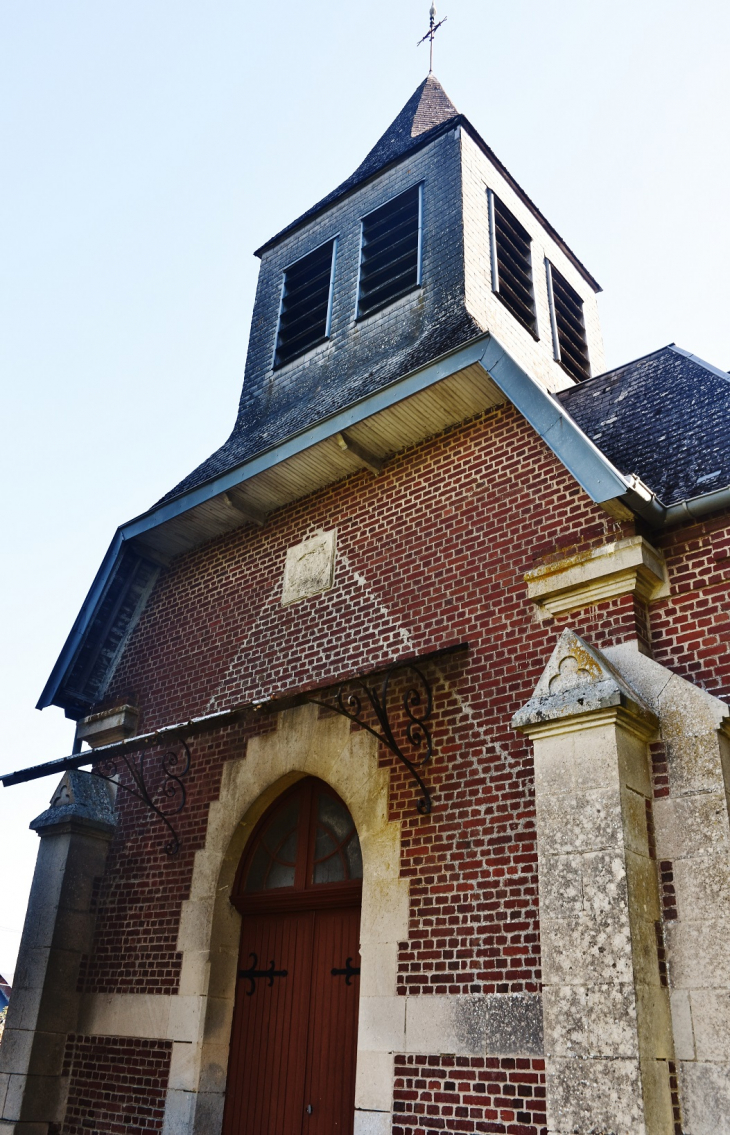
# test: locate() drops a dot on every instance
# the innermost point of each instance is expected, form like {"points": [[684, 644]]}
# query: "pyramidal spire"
{"points": [[429, 106]]}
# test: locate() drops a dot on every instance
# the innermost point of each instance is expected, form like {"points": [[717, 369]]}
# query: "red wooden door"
{"points": [[269, 1037], [332, 1042], [294, 1036]]}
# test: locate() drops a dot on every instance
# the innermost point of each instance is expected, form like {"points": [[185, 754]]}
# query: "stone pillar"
{"points": [[692, 824], [75, 833], [608, 1038]]}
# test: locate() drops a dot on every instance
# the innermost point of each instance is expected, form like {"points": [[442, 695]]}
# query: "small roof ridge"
{"points": [[616, 370]]}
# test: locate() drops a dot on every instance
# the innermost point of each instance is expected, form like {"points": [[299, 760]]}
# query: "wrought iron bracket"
{"points": [[353, 697], [174, 767]]}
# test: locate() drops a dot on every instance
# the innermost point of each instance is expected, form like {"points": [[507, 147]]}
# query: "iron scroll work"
{"points": [[353, 698], [174, 767]]}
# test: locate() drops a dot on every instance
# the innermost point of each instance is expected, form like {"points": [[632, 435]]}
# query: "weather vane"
{"points": [[433, 28]]}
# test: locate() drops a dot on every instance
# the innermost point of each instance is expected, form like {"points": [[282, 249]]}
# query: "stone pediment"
{"points": [[578, 679]]}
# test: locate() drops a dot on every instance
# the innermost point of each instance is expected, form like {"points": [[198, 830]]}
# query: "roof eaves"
{"points": [[600, 479]]}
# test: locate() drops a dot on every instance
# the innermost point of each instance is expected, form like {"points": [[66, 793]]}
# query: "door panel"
{"points": [[332, 1040], [265, 1090]]}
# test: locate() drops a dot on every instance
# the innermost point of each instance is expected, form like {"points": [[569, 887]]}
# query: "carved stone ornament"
{"points": [[578, 679], [310, 567]]}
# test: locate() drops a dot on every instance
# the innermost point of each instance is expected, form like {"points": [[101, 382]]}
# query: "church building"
{"points": [[404, 716]]}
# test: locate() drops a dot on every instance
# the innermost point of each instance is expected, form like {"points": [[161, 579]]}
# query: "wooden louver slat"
{"points": [[304, 304], [389, 264], [572, 340], [514, 261]]}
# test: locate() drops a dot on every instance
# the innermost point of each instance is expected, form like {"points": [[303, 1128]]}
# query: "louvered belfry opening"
{"points": [[571, 328], [305, 304], [389, 264], [511, 243]]}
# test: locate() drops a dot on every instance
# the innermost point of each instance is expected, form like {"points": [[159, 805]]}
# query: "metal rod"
{"points": [[184, 729]]}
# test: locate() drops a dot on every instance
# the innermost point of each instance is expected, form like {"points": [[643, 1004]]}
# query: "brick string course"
{"points": [[431, 552], [435, 1094], [117, 1087]]}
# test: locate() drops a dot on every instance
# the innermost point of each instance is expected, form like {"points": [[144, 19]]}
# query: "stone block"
{"points": [[179, 1112], [605, 890], [593, 1021], [561, 885], [578, 951], [595, 1096], [633, 807], [705, 1093], [373, 1122], [218, 1017], [213, 1068], [443, 1024], [108, 726], [185, 1017], [195, 925], [144, 1015], [184, 1067], [208, 1113], [374, 1084], [13, 1095], [691, 825], [382, 1024], [698, 954], [385, 909], [684, 1043], [569, 763], [711, 1023], [654, 1021], [378, 969], [198, 977], [643, 888], [703, 886], [30, 971], [588, 821], [514, 1025]]}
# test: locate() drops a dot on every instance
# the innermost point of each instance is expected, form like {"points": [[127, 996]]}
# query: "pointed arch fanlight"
{"points": [[303, 853]]}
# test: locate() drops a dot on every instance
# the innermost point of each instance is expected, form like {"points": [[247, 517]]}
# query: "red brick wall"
{"points": [[435, 1094], [116, 1087], [691, 629], [431, 552]]}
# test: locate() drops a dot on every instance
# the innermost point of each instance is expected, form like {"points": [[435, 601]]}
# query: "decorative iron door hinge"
{"points": [[348, 972], [252, 974]]}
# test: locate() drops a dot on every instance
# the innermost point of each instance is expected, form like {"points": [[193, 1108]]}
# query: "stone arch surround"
{"points": [[304, 744]]}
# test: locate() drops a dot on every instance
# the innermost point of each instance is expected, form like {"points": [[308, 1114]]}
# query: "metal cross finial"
{"points": [[433, 28]]}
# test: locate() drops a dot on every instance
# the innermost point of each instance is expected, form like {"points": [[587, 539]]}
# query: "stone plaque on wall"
{"points": [[310, 567]]}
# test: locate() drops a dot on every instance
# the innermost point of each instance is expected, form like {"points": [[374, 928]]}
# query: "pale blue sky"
{"points": [[149, 146]]}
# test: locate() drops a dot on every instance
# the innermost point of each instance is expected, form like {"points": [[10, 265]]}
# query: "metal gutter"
{"points": [[642, 500]]}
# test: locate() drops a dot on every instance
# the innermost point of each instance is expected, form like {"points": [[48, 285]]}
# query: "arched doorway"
{"points": [[293, 1042]]}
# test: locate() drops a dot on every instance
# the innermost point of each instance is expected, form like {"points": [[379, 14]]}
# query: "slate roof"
{"points": [[426, 113], [663, 417], [257, 430]]}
